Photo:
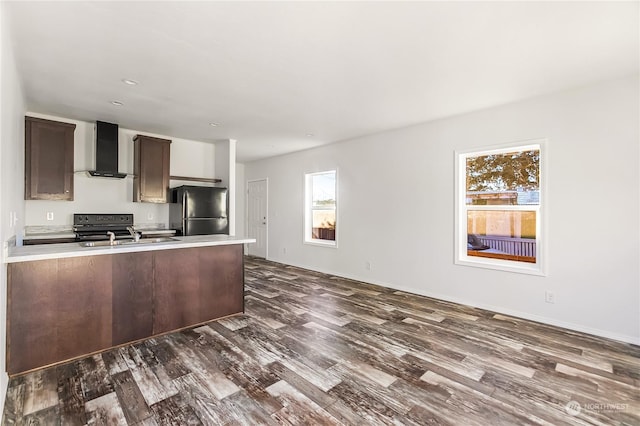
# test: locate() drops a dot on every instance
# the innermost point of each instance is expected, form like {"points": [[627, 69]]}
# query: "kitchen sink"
{"points": [[117, 243]]}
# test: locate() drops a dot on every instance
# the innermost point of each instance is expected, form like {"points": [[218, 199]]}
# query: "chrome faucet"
{"points": [[112, 238], [134, 234]]}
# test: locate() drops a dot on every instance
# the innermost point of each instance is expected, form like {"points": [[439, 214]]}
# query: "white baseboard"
{"points": [[497, 309]]}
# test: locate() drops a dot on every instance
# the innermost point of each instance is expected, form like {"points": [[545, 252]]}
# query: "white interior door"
{"points": [[257, 217]]}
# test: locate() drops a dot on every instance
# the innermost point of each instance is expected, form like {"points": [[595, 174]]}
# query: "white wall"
{"points": [[396, 209], [226, 171], [104, 195], [241, 198], [12, 107]]}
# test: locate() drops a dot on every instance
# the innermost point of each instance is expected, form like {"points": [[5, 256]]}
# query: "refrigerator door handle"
{"points": [[184, 205]]}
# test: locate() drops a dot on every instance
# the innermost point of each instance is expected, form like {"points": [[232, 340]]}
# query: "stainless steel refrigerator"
{"points": [[199, 210]]}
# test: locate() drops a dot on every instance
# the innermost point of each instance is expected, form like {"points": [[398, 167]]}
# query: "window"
{"points": [[498, 206], [320, 208]]}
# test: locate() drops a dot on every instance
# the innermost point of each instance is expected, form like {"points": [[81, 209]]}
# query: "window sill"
{"points": [[322, 243], [501, 265]]}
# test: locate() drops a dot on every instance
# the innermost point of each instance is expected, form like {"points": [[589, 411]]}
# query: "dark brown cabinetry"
{"points": [[57, 309], [132, 302], [61, 309], [151, 169], [195, 300], [48, 160]]}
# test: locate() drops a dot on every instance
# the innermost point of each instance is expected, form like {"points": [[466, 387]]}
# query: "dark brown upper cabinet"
{"points": [[48, 173], [151, 169]]}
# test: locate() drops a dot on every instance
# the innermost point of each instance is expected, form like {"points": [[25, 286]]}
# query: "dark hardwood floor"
{"points": [[316, 349]]}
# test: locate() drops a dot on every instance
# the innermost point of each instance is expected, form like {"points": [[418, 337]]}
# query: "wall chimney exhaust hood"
{"points": [[106, 151]]}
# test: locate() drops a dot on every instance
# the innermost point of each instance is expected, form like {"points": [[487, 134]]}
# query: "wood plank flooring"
{"points": [[314, 349]]}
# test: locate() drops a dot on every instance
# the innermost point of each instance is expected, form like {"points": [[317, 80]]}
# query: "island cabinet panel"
{"points": [[58, 309], [61, 309], [30, 315], [197, 285], [222, 292], [176, 293], [84, 305], [132, 296]]}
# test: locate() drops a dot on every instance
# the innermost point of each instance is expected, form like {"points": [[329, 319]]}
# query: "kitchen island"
{"points": [[67, 301]]}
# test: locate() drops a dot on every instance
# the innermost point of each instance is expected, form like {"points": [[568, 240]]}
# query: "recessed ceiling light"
{"points": [[309, 135], [116, 103], [214, 124], [129, 82]]}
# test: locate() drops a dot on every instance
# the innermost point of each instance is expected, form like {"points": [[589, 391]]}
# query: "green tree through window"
{"points": [[504, 172]]}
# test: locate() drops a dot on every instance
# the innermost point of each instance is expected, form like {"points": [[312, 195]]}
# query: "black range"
{"points": [[95, 227]]}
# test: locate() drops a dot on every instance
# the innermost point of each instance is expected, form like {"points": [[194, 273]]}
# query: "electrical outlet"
{"points": [[284, 250], [49, 215], [367, 265], [149, 216], [549, 297]]}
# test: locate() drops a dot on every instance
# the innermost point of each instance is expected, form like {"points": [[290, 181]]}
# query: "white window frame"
{"points": [[461, 208], [308, 211]]}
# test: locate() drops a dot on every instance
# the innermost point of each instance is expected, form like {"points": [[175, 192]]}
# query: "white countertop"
{"points": [[58, 251]]}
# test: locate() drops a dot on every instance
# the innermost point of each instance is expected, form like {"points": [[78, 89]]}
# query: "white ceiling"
{"points": [[270, 73]]}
